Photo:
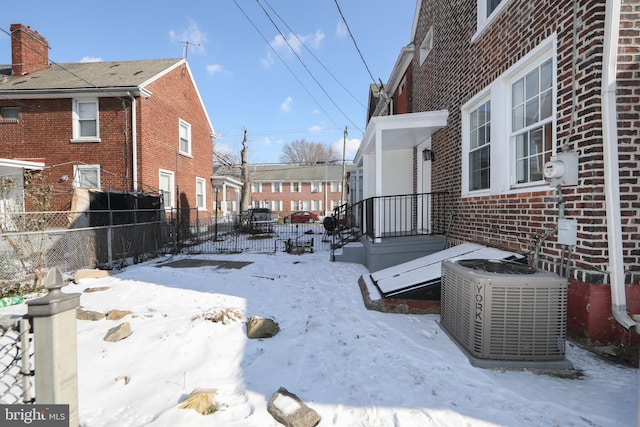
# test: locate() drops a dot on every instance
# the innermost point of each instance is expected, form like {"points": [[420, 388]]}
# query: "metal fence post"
{"points": [[55, 357]]}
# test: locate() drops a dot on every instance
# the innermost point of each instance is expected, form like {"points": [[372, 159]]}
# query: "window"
{"points": [[508, 128], [276, 205], [306, 205], [426, 46], [256, 187], [336, 187], [531, 122], [86, 176], [488, 10], [295, 205], [315, 187], [185, 138], [166, 187], [201, 198], [316, 205], [276, 187], [479, 147], [9, 113], [85, 120], [295, 187]]}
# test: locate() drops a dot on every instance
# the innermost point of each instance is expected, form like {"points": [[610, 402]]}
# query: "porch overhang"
{"points": [[401, 131]]}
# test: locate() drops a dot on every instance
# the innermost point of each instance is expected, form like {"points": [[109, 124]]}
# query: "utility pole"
{"points": [[344, 168], [244, 196]]}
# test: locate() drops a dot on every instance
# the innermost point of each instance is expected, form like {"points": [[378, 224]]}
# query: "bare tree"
{"points": [[302, 151]]}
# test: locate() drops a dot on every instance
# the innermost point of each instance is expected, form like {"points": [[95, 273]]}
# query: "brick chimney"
{"points": [[29, 50]]}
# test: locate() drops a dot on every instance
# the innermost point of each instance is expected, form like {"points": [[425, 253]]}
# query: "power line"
{"points": [[305, 66], [354, 42], [314, 56], [283, 62]]}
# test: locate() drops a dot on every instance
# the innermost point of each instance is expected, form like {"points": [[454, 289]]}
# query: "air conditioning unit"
{"points": [[505, 313]]}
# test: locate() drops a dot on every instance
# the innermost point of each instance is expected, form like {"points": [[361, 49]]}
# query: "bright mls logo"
{"points": [[34, 415]]}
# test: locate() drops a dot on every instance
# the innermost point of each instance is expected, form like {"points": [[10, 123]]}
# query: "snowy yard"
{"points": [[353, 366]]}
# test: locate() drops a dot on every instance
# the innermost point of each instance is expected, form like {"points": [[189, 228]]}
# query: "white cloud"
{"points": [[315, 128], [352, 146], [286, 104], [90, 59], [215, 68], [292, 43], [341, 30], [196, 38]]}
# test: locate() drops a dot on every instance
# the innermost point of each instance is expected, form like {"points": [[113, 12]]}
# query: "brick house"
{"points": [[481, 99], [123, 126], [283, 188]]}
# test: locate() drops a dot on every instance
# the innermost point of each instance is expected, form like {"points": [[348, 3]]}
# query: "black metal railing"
{"points": [[392, 216]]}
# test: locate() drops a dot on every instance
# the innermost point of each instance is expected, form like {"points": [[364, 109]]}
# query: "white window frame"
{"points": [[9, 114], [276, 205], [79, 175], [295, 205], [426, 46], [315, 186], [256, 187], [477, 128], [77, 120], [316, 205], [296, 187], [502, 179], [201, 194], [484, 19], [276, 187], [336, 186], [184, 138], [168, 204]]}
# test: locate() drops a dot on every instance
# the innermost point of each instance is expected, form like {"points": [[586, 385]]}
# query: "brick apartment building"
{"points": [[125, 126], [480, 100], [283, 188]]}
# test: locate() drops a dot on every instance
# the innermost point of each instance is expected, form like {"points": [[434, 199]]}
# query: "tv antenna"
{"points": [[186, 48]]}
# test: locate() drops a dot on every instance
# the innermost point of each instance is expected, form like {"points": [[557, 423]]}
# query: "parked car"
{"points": [[303, 216]]}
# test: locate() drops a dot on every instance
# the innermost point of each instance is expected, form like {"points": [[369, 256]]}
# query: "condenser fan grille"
{"points": [[497, 266]]}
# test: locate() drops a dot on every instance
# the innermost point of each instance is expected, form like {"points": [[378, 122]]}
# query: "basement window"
{"points": [[9, 114]]}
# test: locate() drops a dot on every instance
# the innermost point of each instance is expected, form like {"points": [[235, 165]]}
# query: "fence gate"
{"points": [[16, 354]]}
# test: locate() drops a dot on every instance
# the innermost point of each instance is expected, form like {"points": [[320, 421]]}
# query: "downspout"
{"points": [[134, 143], [611, 169]]}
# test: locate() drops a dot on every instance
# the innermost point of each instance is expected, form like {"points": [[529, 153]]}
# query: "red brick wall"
{"points": [[44, 130], [174, 98], [457, 69]]}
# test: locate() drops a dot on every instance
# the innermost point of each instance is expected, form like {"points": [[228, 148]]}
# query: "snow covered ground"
{"points": [[353, 366]]}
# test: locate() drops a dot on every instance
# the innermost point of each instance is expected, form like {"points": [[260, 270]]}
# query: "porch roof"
{"points": [[401, 131]]}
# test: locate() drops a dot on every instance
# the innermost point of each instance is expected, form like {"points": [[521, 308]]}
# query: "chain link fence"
{"points": [[16, 361]]}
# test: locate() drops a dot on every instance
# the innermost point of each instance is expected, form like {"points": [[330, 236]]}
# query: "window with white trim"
{"points": [[479, 147], [426, 46], [276, 187], [184, 130], [295, 205], [166, 186], [511, 125], [336, 186], [531, 122], [488, 10], [86, 176], [296, 187], [9, 113], [201, 195], [316, 205], [276, 205], [315, 186], [256, 187], [86, 123]]}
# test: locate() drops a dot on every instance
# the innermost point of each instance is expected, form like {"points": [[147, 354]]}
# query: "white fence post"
{"points": [[55, 356]]}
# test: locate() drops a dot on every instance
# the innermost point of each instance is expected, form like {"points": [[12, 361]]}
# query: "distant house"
{"points": [[478, 103], [283, 188], [123, 126]]}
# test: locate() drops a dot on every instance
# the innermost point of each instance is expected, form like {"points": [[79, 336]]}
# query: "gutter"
{"points": [[134, 143], [611, 168]]}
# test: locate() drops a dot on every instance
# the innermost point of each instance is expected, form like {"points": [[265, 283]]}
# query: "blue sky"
{"points": [[247, 74]]}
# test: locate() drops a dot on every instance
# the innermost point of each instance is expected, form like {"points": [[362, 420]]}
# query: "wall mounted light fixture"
{"points": [[427, 154]]}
